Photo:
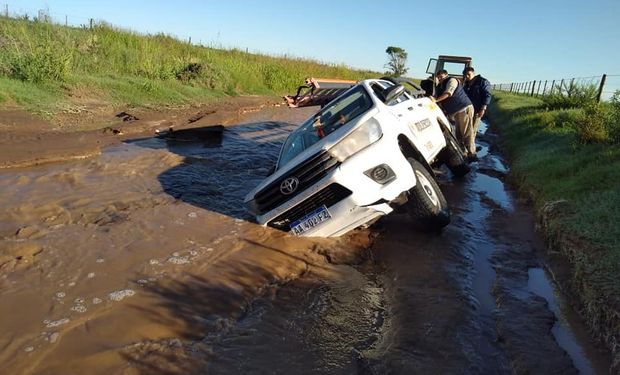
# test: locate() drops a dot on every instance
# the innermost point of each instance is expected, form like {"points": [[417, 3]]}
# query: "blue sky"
{"points": [[508, 40]]}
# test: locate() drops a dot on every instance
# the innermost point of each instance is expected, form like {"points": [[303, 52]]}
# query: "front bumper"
{"points": [[351, 197]]}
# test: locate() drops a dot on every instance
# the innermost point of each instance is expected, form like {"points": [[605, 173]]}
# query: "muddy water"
{"points": [[143, 261], [471, 300], [141, 250]]}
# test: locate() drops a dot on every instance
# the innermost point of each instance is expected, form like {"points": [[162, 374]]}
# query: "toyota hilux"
{"points": [[362, 155]]}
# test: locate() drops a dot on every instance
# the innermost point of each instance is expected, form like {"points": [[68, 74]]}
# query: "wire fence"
{"points": [[606, 85], [31, 13], [603, 86], [44, 15]]}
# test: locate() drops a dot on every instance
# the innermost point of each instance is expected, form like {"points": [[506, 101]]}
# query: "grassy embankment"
{"points": [[47, 68], [568, 162]]}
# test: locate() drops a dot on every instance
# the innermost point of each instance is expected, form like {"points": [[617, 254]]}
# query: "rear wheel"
{"points": [[452, 155], [426, 205]]}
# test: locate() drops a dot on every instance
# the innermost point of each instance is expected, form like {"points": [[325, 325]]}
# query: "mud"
{"points": [[143, 260], [28, 140]]}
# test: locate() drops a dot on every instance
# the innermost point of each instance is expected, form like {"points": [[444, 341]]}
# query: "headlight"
{"points": [[367, 134]]}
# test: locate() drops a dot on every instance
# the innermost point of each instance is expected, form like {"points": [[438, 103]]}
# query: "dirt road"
{"points": [[143, 260]]}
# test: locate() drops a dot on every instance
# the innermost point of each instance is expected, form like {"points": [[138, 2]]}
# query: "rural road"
{"points": [[143, 260]]}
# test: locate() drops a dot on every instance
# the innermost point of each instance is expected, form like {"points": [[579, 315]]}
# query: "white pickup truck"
{"points": [[361, 156]]}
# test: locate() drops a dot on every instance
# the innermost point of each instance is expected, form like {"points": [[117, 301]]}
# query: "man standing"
{"points": [[458, 108], [478, 89]]}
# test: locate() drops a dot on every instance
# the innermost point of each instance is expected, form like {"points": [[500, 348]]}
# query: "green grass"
{"points": [[550, 162], [37, 98], [41, 61]]}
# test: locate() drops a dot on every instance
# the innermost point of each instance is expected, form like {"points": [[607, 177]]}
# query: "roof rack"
{"points": [[318, 91]]}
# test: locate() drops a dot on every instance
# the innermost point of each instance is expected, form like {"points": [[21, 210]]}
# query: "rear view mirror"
{"points": [[392, 93]]}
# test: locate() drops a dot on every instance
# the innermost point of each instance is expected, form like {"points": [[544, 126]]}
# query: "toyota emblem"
{"points": [[289, 185]]}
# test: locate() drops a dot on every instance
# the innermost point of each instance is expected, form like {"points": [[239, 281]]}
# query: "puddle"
{"points": [[494, 189], [539, 284], [310, 326]]}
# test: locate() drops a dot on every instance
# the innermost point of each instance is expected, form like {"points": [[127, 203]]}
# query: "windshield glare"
{"points": [[335, 114]]}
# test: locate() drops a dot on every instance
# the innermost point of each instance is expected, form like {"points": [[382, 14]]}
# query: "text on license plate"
{"points": [[310, 221]]}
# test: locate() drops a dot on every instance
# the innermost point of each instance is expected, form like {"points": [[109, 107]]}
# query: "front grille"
{"points": [[328, 197], [308, 173]]}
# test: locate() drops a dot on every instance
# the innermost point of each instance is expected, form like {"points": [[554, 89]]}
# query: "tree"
{"points": [[396, 61]]}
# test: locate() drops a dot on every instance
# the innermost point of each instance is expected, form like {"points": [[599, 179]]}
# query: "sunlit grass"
{"points": [[549, 162], [136, 69]]}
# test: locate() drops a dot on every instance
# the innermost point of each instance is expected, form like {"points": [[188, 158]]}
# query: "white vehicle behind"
{"points": [[361, 156]]}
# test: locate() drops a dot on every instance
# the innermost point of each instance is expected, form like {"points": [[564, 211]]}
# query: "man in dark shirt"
{"points": [[451, 97], [478, 89]]}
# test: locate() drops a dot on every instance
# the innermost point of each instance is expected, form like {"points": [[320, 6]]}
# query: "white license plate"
{"points": [[310, 221]]}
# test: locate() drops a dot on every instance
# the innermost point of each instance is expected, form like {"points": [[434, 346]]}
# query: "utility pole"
{"points": [[6, 10], [600, 88]]}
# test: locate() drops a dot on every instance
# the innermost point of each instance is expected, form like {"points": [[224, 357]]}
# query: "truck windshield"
{"points": [[336, 114]]}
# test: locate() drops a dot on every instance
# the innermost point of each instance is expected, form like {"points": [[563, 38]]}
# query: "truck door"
{"points": [[416, 116]]}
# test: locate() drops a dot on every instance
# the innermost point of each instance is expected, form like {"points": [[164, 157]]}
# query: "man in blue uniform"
{"points": [[456, 105], [478, 89]]}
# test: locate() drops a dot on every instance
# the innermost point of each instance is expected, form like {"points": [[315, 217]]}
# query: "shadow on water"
{"points": [[221, 165], [301, 325], [202, 310]]}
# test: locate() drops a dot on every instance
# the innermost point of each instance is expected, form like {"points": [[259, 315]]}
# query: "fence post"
{"points": [[534, 87], [538, 89], [91, 23], [552, 86], [511, 86], [600, 88], [545, 88], [561, 86]]}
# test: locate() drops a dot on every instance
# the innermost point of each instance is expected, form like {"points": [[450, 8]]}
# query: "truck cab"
{"points": [[453, 64]]}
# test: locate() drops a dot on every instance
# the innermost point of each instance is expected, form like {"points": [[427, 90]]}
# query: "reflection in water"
{"points": [[540, 285], [219, 178]]}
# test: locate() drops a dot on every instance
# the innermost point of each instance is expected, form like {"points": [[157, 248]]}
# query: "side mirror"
{"points": [[392, 93]]}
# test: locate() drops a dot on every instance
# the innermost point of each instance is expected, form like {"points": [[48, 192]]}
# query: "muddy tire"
{"points": [[452, 155], [426, 205]]}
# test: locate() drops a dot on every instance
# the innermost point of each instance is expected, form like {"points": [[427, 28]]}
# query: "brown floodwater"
{"points": [[143, 260]]}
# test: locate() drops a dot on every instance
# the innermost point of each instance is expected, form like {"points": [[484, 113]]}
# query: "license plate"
{"points": [[310, 221]]}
